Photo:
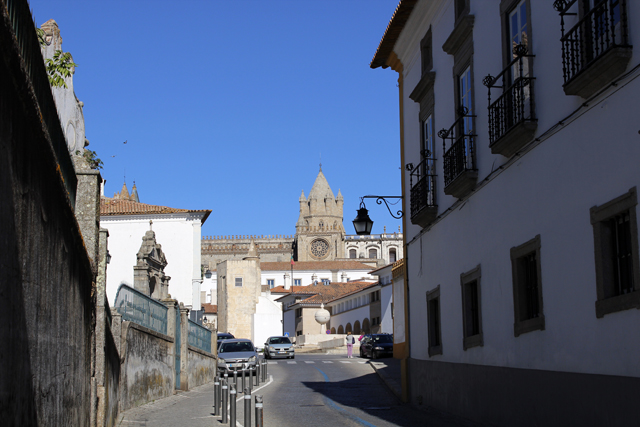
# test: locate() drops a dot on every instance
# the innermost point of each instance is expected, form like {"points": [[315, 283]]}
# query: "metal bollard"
{"points": [[250, 384], [216, 383], [264, 371], [244, 372], [257, 374], [235, 377], [218, 398], [232, 406], [225, 400], [247, 407], [259, 414]]}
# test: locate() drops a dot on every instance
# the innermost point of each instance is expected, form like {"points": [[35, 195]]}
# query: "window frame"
{"points": [[602, 253], [271, 283], [235, 282], [466, 279], [297, 282], [518, 253], [434, 325]]}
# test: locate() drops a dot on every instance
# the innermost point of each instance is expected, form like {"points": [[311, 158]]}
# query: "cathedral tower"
{"points": [[319, 230]]}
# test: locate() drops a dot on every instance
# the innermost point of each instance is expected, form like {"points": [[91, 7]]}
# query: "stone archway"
{"points": [[333, 330], [366, 326], [341, 330], [349, 328], [356, 327]]}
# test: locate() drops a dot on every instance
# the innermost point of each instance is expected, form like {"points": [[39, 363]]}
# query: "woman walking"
{"points": [[350, 341]]}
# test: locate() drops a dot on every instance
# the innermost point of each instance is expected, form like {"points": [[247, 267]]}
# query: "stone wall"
{"points": [[271, 248], [148, 369], [46, 278], [199, 368]]}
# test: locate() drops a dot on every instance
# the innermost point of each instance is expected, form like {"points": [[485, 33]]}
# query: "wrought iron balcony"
{"points": [[424, 209], [460, 173], [596, 50], [512, 119]]}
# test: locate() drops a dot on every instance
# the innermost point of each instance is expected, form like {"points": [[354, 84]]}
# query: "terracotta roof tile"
{"points": [[326, 293], [209, 308], [111, 207], [314, 265], [392, 32]]}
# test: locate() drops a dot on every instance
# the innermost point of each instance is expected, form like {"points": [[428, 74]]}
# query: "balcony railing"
{"points": [[601, 29], [423, 191], [515, 105], [460, 156]]}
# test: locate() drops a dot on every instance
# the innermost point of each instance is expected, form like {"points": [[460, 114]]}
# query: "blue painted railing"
{"points": [[136, 307], [199, 336]]}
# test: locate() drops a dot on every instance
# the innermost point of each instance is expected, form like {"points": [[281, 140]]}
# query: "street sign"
{"points": [[286, 334]]}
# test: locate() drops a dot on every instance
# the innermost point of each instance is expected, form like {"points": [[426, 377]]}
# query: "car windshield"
{"points": [[383, 339], [232, 347], [279, 340]]}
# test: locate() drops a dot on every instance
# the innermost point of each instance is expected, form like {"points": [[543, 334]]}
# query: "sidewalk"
{"points": [[389, 371]]}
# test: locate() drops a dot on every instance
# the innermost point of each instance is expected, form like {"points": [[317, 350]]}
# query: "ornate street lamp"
{"points": [[363, 223]]}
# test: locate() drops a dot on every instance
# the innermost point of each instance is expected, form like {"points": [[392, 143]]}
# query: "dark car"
{"points": [[376, 345], [224, 336]]}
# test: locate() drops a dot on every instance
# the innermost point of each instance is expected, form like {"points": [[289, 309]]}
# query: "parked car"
{"points": [[376, 345], [224, 336], [236, 354], [279, 347]]}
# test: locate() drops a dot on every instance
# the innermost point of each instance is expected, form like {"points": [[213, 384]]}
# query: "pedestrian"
{"points": [[350, 342]]}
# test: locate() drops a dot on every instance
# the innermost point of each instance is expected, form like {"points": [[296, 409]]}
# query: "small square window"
{"points": [[433, 316], [527, 287], [239, 282], [271, 283], [471, 312], [297, 282], [615, 234]]}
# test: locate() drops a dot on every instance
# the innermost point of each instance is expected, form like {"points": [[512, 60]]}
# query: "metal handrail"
{"points": [[460, 155], [134, 306]]}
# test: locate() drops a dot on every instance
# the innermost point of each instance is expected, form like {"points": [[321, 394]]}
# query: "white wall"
{"points": [[307, 276], [386, 317], [398, 308], [179, 236], [548, 191], [267, 320]]}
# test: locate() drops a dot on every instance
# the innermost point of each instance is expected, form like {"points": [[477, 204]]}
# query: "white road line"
{"points": [[345, 361], [292, 363], [327, 361], [240, 399], [309, 361], [362, 362], [272, 363]]}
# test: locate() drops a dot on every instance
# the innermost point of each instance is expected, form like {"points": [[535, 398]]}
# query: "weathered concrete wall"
{"points": [[46, 279], [111, 382], [201, 367], [148, 370]]}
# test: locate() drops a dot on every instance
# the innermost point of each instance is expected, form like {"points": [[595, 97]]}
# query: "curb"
{"points": [[396, 393]]}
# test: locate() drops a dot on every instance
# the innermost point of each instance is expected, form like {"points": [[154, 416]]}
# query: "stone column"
{"points": [[184, 347], [87, 208]]}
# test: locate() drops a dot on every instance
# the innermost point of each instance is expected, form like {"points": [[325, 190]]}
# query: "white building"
{"points": [[519, 139], [177, 230]]}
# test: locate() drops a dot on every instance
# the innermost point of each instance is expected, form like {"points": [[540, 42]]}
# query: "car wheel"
{"points": [[374, 354], [293, 357], [361, 353]]}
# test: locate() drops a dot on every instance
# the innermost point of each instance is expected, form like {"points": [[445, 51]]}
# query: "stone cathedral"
{"points": [[320, 236]]}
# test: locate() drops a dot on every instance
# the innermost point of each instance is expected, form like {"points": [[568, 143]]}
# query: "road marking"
{"points": [[362, 362], [326, 361], [292, 363], [345, 361], [309, 361], [272, 363], [240, 399]]}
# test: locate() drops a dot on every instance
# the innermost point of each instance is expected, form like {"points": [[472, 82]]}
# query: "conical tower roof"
{"points": [[320, 188], [134, 193], [124, 193]]}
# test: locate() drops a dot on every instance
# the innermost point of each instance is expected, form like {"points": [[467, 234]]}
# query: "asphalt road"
{"points": [[311, 390]]}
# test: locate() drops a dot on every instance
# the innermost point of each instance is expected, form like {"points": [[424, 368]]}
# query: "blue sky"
{"points": [[231, 105]]}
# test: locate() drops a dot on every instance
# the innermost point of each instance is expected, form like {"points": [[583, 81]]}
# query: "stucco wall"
{"points": [[179, 235], [148, 369]]}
